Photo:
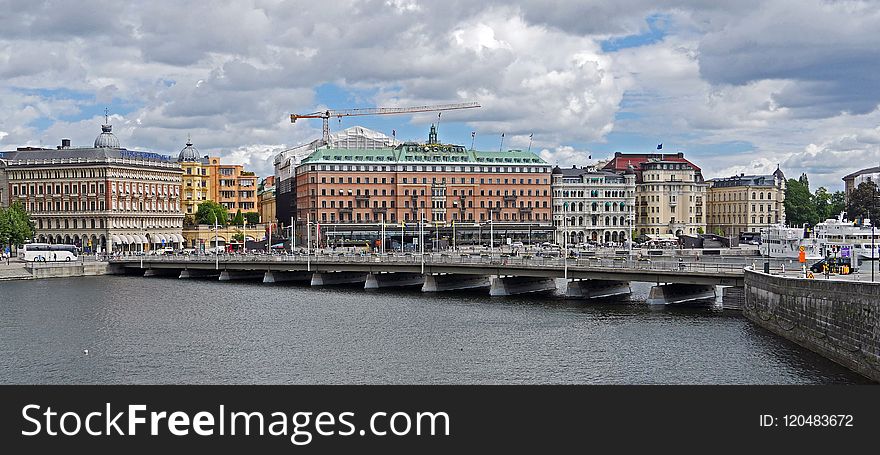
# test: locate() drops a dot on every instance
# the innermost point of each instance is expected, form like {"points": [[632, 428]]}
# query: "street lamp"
{"points": [[422, 240]]}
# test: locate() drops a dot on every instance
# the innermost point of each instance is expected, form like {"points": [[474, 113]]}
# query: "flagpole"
{"points": [[530, 141]]}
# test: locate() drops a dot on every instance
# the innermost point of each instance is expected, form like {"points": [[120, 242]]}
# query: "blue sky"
{"points": [[738, 87]]}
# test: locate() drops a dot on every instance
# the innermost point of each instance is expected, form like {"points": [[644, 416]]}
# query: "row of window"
{"points": [[404, 168], [736, 196], [58, 189], [366, 217], [594, 207], [437, 204], [592, 193], [591, 221], [738, 208], [100, 223]]}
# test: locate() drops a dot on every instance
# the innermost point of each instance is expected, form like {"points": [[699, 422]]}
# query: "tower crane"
{"points": [[339, 113]]}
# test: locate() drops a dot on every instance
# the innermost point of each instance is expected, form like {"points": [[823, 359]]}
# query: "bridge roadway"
{"points": [[619, 269]]}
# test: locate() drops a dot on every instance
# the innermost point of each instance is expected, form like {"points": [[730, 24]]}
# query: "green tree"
{"points": [[805, 181], [239, 218], [209, 211], [862, 201], [16, 226], [838, 204], [799, 205], [700, 230], [252, 217], [822, 201], [189, 220]]}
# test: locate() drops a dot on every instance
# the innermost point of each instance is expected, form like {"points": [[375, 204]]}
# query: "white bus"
{"points": [[45, 252]]}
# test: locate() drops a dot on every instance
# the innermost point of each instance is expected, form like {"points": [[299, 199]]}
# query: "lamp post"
{"points": [[292, 235], [216, 234], [422, 240], [565, 246], [491, 236], [309, 242]]}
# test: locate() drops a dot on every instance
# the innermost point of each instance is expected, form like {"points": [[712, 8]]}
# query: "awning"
{"points": [[115, 239], [160, 238], [143, 239]]}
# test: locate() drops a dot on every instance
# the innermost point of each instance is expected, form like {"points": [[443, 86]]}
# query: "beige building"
{"points": [[207, 179], [101, 198], [743, 204], [592, 206], [670, 192], [266, 200]]}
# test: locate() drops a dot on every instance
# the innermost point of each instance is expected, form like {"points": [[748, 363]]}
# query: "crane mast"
{"points": [[339, 113]]}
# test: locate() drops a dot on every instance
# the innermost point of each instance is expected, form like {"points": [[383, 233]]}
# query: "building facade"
{"points": [[670, 192], [852, 181], [102, 198], [592, 205], [743, 204], [207, 179], [439, 183], [266, 200]]}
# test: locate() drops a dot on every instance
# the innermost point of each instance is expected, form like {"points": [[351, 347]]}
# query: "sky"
{"points": [[737, 86]]}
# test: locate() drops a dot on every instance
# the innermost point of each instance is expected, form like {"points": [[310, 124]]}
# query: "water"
{"points": [[170, 331]]}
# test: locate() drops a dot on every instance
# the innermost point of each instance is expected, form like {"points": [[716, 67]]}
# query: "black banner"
{"points": [[401, 419]]}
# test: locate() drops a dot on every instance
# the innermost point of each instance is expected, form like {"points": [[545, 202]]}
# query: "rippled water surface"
{"points": [[165, 330]]}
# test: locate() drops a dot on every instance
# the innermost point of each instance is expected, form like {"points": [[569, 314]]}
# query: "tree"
{"points": [[719, 232], [239, 218], [799, 206], [700, 230], [189, 220], [838, 204], [805, 181], [862, 201], [15, 225], [822, 201], [252, 217], [210, 211]]}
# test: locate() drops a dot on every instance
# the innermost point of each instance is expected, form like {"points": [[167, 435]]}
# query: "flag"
{"points": [[473, 134], [393, 133], [502, 134], [589, 157], [659, 146], [530, 135]]}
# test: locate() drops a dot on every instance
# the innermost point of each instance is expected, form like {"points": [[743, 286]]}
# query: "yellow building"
{"points": [[266, 198], [206, 179], [743, 204]]}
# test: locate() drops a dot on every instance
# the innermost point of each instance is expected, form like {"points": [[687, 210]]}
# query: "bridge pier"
{"points": [[595, 289], [229, 275], [665, 294], [390, 280], [274, 276], [197, 273], [328, 278], [438, 283], [520, 285], [160, 272]]}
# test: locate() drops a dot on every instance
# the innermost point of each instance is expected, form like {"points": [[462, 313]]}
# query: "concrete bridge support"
{"points": [[595, 289], [197, 273], [161, 272], [520, 285], [328, 278], [438, 283], [665, 294], [229, 275], [273, 276], [390, 280]]}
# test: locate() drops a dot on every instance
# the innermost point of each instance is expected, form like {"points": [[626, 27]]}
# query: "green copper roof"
{"points": [[415, 153]]}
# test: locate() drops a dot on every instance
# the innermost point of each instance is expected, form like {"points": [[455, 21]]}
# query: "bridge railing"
{"points": [[592, 263]]}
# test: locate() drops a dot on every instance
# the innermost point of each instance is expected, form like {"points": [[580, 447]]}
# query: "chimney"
{"points": [[65, 143]]}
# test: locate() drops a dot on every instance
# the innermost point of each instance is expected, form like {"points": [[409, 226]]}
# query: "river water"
{"points": [[169, 331]]}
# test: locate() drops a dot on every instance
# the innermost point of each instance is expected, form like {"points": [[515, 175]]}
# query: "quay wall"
{"points": [[60, 270], [839, 320]]}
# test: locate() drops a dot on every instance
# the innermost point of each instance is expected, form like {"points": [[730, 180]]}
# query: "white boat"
{"points": [[836, 234], [778, 241]]}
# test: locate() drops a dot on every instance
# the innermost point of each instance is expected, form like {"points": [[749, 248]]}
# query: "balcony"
{"points": [[362, 197], [509, 197]]}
